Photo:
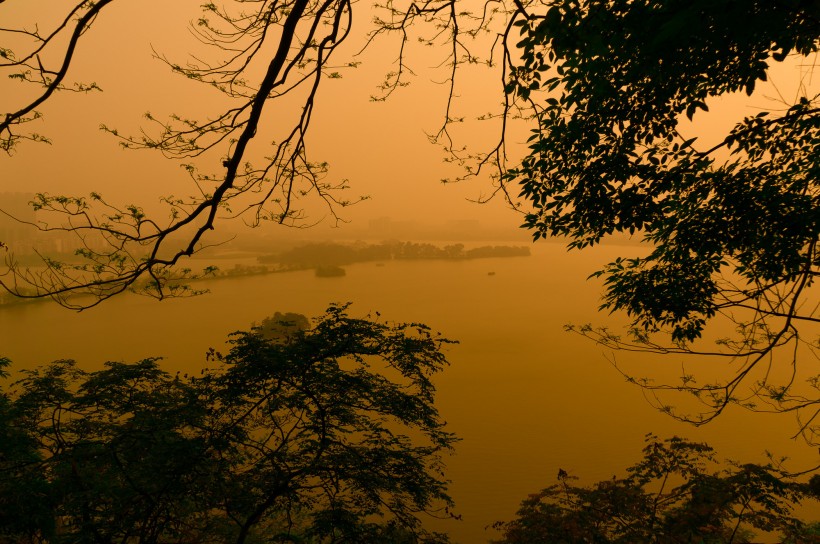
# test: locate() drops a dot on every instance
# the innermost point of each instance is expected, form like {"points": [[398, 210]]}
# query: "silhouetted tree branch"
{"points": [[125, 249], [730, 232]]}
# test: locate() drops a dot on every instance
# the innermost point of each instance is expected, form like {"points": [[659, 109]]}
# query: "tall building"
{"points": [[16, 214]]}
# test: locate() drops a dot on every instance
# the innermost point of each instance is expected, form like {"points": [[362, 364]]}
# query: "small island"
{"points": [[329, 271]]}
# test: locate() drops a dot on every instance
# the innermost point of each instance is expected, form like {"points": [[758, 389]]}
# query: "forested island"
{"points": [[327, 258], [330, 271], [335, 254]]}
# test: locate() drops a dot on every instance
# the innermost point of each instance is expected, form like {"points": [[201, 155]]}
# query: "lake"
{"points": [[526, 397]]}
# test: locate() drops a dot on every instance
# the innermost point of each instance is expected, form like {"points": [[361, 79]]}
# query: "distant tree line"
{"points": [[325, 257], [330, 254], [9, 299]]}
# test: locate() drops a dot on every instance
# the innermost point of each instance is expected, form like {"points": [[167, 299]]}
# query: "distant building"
{"points": [[16, 216], [19, 233], [17, 205]]}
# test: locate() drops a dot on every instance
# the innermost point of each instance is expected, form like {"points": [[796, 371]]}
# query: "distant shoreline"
{"points": [[328, 258], [332, 255]]}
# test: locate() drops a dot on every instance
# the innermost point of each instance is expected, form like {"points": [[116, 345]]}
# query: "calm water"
{"points": [[526, 397]]}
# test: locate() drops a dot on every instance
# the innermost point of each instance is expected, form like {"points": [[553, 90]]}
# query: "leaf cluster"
{"points": [[616, 78]]}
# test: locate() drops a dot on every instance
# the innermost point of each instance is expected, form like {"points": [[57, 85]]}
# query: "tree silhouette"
{"points": [[731, 229], [675, 494], [327, 434]]}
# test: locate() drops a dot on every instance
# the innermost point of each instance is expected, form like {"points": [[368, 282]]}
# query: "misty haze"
{"points": [[321, 272]]}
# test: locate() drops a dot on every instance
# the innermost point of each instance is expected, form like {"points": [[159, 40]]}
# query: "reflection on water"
{"points": [[526, 397]]}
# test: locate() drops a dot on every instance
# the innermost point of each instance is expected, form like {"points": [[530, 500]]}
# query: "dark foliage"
{"points": [[674, 495], [607, 156], [731, 230], [326, 434]]}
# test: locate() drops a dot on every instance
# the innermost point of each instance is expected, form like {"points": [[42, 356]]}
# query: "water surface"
{"points": [[526, 397]]}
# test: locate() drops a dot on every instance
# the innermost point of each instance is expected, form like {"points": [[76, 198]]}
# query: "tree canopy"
{"points": [[676, 493], [608, 156], [731, 228], [324, 434]]}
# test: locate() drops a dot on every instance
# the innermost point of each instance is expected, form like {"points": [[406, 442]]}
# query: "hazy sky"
{"points": [[381, 147]]}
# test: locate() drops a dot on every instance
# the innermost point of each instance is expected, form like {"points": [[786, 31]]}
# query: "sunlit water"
{"points": [[526, 397]]}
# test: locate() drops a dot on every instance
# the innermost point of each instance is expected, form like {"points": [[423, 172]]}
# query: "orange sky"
{"points": [[381, 147]]}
